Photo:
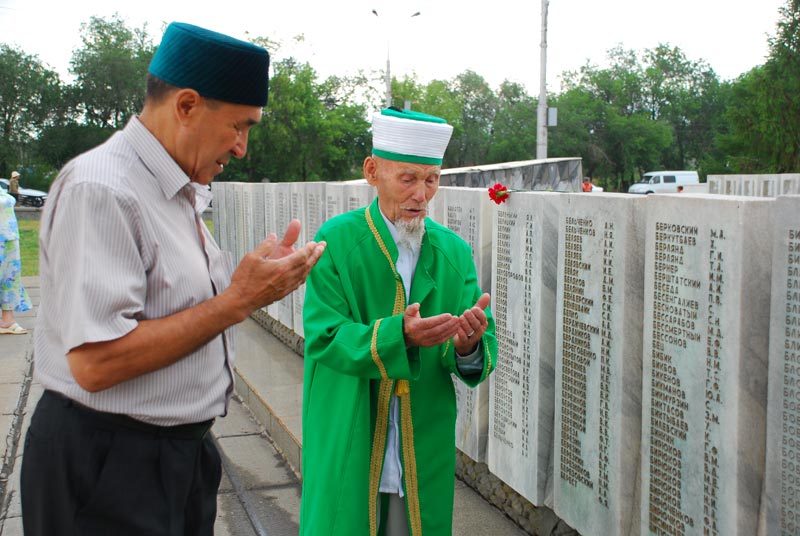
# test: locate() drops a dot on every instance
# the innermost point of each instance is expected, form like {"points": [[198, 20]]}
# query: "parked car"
{"points": [[663, 182], [27, 196]]}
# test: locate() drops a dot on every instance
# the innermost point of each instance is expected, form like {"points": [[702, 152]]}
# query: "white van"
{"points": [[660, 182]]}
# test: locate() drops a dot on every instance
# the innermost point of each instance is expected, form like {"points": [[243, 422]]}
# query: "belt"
{"points": [[180, 431]]}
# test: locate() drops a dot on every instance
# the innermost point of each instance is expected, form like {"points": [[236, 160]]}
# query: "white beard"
{"points": [[411, 232]]}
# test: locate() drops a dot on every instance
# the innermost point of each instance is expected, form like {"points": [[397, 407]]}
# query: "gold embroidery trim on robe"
{"points": [[399, 290], [374, 350], [488, 358], [378, 448], [382, 422], [410, 466]]}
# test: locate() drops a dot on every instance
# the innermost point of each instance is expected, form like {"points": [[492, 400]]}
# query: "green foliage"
{"points": [[310, 131], [765, 126], [581, 120], [512, 137], [57, 145], [27, 92], [110, 71], [643, 111], [472, 131]]}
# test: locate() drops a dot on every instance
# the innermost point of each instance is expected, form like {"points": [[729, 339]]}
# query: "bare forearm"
{"points": [[264, 276], [152, 345]]}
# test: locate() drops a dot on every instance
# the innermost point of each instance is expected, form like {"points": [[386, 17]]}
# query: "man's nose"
{"points": [[240, 147], [419, 193]]}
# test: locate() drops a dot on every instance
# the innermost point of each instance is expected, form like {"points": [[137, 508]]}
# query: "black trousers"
{"points": [[87, 473]]}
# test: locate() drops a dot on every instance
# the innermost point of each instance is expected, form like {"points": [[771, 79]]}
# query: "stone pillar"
{"points": [[521, 397], [706, 319], [598, 412]]}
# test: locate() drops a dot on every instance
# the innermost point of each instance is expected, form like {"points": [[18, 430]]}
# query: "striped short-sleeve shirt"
{"points": [[119, 243]]}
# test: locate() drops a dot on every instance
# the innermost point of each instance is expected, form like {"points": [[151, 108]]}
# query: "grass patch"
{"points": [[29, 245]]}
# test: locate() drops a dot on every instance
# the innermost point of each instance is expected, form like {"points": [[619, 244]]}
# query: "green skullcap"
{"points": [[409, 136], [215, 65]]}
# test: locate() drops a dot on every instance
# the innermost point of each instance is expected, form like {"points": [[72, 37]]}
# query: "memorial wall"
{"points": [[770, 185], [706, 325], [310, 200], [468, 212], [782, 480], [551, 174], [521, 390], [284, 312], [648, 377], [598, 381]]}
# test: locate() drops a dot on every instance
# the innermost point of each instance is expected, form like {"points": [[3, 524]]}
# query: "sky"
{"points": [[499, 41]]}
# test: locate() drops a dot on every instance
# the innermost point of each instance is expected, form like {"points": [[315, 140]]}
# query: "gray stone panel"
{"points": [[436, 210], [357, 194], [788, 183], [714, 184], [598, 384], [270, 226], [521, 396], [553, 174], [259, 215], [766, 186], [313, 218], [298, 200], [315, 193], [706, 314], [782, 479], [231, 219], [469, 214], [334, 199], [748, 187], [249, 220], [219, 219], [240, 218], [283, 215]]}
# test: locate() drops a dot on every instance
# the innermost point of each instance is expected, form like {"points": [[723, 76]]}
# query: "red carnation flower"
{"points": [[498, 193]]}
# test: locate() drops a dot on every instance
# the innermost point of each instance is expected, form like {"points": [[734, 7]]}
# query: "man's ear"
{"points": [[371, 170], [187, 101]]}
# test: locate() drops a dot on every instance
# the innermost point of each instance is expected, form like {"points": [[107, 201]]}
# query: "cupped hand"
{"points": [[430, 331], [273, 269], [471, 326]]}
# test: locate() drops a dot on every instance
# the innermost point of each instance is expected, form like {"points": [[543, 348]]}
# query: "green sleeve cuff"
{"points": [[401, 363]]}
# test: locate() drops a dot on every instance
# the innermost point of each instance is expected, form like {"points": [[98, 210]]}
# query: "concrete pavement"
{"points": [[259, 440]]}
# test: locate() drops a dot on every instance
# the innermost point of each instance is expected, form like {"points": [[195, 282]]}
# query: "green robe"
{"points": [[355, 352]]}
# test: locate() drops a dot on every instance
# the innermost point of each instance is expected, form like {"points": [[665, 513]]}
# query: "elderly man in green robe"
{"points": [[392, 311]]}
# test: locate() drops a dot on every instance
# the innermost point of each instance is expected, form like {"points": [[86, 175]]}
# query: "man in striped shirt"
{"points": [[132, 341]]}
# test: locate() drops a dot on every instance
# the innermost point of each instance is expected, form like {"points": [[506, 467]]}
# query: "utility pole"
{"points": [[541, 109], [388, 66]]}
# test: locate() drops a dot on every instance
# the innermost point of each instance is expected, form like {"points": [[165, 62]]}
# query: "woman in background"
{"points": [[13, 297]]}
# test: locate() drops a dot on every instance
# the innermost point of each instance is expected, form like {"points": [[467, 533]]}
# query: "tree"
{"points": [[29, 93], [514, 127], [675, 91], [579, 132], [763, 113], [478, 108], [624, 138], [110, 71], [59, 144], [310, 131], [345, 125], [407, 90]]}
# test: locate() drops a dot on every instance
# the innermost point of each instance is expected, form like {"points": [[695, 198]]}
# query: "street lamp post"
{"points": [[388, 66], [541, 115]]}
